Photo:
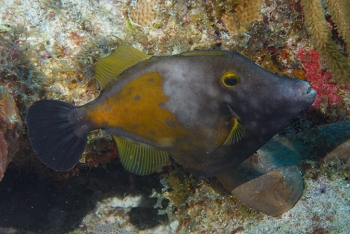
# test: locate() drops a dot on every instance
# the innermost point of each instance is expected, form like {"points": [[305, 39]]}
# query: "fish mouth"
{"points": [[309, 92]]}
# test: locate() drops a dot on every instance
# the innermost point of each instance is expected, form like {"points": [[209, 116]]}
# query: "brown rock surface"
{"points": [[10, 128], [273, 193], [270, 180]]}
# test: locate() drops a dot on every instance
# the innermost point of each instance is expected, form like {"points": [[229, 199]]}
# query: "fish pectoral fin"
{"points": [[140, 158], [242, 142], [109, 68], [237, 132]]}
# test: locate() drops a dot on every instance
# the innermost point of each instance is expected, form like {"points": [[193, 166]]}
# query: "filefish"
{"points": [[207, 110]]}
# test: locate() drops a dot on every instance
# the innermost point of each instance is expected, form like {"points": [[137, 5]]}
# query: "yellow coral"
{"points": [[244, 14], [340, 10], [143, 12], [321, 35], [231, 24]]}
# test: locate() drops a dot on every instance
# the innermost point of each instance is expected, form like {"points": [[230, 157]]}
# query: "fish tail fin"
{"points": [[56, 133]]}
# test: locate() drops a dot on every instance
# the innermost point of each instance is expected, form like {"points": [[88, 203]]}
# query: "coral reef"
{"points": [[242, 15], [321, 35], [331, 98], [48, 49], [10, 130], [142, 12], [181, 8], [108, 229]]}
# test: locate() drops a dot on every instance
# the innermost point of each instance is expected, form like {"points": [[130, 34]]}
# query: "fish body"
{"points": [[208, 110]]}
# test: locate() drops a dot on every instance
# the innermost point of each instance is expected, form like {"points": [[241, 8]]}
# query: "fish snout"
{"points": [[307, 92]]}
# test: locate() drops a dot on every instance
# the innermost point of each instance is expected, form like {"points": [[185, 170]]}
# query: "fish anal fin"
{"points": [[141, 159], [109, 68]]}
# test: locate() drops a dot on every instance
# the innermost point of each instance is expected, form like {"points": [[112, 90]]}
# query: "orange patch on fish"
{"points": [[134, 109]]}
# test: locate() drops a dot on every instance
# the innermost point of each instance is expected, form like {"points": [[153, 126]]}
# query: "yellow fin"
{"points": [[237, 132], [141, 159], [110, 67], [202, 53]]}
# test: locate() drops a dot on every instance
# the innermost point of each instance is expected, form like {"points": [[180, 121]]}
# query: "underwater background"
{"points": [[48, 50]]}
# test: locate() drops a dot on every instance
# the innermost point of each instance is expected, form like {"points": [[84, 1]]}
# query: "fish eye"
{"points": [[230, 79]]}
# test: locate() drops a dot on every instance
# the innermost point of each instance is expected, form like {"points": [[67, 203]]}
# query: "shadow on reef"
{"points": [[271, 179], [30, 203]]}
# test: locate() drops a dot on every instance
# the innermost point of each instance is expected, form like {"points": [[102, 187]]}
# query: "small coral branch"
{"points": [[339, 11], [321, 36]]}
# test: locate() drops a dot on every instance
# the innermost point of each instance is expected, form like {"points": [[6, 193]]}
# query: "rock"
{"points": [[342, 151], [181, 8], [10, 128], [327, 141], [273, 193], [270, 180]]}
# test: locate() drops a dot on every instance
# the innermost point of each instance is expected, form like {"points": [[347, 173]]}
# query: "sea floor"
{"points": [[110, 200]]}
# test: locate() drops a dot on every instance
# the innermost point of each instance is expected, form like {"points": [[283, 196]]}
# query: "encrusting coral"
{"points": [[143, 13], [331, 99], [321, 35], [244, 14]]}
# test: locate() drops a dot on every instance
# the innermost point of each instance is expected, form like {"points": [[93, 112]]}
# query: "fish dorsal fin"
{"points": [[141, 159], [203, 53], [237, 132], [110, 67]]}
